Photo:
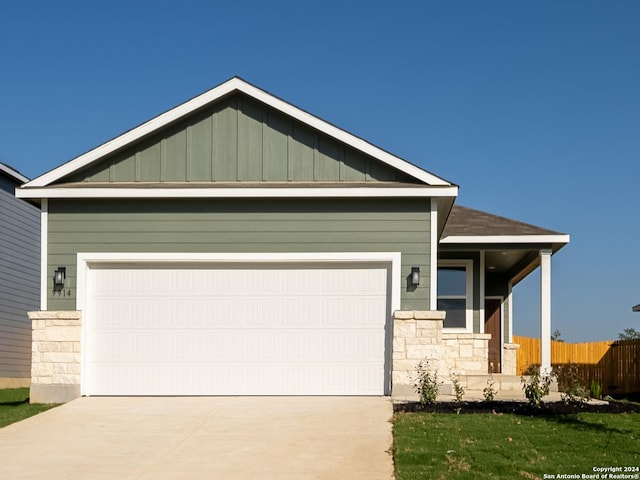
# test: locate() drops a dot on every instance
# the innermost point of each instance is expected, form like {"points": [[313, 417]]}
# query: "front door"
{"points": [[492, 322]]}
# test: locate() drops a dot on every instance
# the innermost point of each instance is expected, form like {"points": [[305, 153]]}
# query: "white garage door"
{"points": [[273, 330]]}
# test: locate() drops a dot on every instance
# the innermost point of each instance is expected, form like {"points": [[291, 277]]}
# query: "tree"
{"points": [[556, 336], [629, 334]]}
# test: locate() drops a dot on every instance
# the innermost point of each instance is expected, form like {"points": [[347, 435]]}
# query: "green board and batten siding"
{"points": [[248, 225], [235, 140]]}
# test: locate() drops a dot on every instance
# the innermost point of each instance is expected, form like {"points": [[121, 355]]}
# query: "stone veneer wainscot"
{"points": [[418, 335], [55, 359]]}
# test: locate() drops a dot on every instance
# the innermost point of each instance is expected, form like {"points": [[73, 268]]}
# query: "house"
{"points": [[238, 245], [19, 279]]}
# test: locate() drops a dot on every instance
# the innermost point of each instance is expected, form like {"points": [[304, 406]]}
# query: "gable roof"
{"points": [[45, 186], [467, 225], [13, 173]]}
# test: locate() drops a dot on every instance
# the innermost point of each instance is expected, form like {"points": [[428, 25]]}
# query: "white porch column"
{"points": [[545, 312]]}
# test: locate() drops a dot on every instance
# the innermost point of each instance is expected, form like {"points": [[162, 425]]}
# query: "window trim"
{"points": [[468, 266]]}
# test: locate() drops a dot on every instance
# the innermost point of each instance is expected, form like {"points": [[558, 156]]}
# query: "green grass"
{"points": [[15, 406], [449, 446]]}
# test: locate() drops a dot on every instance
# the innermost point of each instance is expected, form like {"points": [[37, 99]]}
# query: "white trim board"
{"points": [[561, 238], [44, 252], [235, 85], [433, 271], [510, 300], [482, 288], [468, 265], [293, 192]]}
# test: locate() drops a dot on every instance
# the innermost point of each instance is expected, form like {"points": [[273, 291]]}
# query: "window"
{"points": [[455, 294]]}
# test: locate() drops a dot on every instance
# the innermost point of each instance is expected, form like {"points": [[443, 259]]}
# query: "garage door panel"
{"points": [[308, 330], [256, 379]]}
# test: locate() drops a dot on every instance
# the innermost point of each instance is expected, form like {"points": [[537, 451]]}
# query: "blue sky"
{"points": [[533, 108]]}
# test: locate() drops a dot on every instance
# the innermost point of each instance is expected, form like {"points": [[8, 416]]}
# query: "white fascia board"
{"points": [[271, 257], [13, 173], [235, 84], [506, 239], [44, 255], [367, 192]]}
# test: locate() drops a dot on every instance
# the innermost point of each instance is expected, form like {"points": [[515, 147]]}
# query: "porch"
{"points": [[499, 253], [469, 329]]}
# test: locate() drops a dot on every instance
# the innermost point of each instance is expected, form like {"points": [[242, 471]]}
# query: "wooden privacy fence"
{"points": [[614, 364]]}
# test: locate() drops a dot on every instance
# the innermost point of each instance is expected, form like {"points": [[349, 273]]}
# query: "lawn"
{"points": [[450, 446], [15, 406]]}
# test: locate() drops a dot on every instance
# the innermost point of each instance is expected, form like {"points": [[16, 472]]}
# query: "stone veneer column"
{"points": [[417, 336], [509, 359], [55, 360]]}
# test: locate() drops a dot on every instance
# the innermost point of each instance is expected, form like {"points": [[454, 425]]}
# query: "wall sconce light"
{"points": [[415, 276], [58, 278]]}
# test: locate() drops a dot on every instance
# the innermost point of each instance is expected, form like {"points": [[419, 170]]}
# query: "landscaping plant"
{"points": [[489, 392], [596, 389], [570, 384], [458, 389], [536, 386], [426, 384]]}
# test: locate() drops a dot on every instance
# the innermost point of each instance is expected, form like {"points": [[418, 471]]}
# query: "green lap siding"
{"points": [[235, 226]]}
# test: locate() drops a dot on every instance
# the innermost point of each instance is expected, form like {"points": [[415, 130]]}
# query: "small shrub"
{"points": [[573, 391], [596, 389], [426, 384], [575, 397], [458, 389], [536, 387], [489, 392]]}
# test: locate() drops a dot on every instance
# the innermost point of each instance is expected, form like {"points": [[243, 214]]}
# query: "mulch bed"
{"points": [[518, 408]]}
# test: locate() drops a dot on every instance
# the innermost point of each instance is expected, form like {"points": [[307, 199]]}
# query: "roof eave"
{"points": [[243, 192], [13, 173], [554, 242], [555, 239]]}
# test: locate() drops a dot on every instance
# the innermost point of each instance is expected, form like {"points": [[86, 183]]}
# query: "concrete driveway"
{"points": [[203, 438]]}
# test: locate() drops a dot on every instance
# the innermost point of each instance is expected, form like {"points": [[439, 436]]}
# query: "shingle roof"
{"points": [[464, 221]]}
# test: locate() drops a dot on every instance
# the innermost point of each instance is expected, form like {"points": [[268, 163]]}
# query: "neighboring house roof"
{"points": [[636, 308], [38, 188], [13, 173]]}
